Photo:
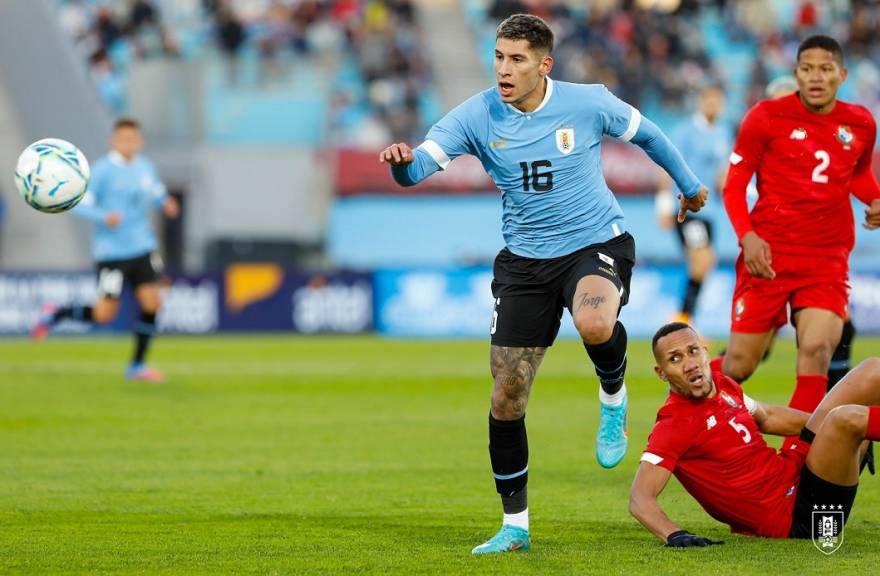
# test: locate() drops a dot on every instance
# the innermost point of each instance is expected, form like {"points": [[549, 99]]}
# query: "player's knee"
{"points": [[819, 350], [103, 314], [849, 420], [594, 329], [509, 397], [738, 366]]}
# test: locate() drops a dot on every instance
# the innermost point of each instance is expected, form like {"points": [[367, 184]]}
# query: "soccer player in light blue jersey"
{"points": [[123, 191], [705, 142], [566, 238]]}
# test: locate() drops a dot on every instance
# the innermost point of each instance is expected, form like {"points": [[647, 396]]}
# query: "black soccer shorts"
{"points": [[695, 232], [817, 495], [530, 293], [112, 274]]}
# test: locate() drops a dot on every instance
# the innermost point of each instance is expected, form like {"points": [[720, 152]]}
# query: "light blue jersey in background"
{"points": [[706, 148], [547, 162], [132, 189]]}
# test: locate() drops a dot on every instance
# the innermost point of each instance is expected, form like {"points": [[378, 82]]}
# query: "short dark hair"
{"points": [[126, 123], [823, 42], [526, 27], [665, 330]]}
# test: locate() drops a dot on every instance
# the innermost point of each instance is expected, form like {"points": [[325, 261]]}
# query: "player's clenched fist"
{"points": [[397, 154]]}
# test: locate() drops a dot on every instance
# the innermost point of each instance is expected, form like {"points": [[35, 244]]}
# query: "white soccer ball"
{"points": [[52, 175]]}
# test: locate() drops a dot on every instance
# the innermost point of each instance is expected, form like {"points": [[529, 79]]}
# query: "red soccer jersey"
{"points": [[714, 448], [807, 166]]}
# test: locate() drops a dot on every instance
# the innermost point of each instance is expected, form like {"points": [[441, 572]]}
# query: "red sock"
{"points": [[809, 392], [715, 363], [873, 431]]}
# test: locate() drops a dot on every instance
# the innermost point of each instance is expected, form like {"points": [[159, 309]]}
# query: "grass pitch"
{"points": [[341, 456]]}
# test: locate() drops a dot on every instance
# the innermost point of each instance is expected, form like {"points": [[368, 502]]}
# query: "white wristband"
{"points": [[750, 404]]}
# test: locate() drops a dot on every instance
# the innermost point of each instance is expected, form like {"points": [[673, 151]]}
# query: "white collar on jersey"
{"points": [[546, 99], [118, 158]]}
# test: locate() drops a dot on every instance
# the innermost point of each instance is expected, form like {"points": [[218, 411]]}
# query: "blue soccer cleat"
{"points": [[509, 539], [611, 440], [143, 373]]}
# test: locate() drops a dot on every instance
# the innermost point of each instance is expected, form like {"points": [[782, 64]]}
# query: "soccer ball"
{"points": [[52, 175]]}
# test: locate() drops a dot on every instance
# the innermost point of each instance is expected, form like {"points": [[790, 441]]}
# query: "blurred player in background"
{"points": [[704, 141], [709, 435], [566, 239], [809, 151], [123, 191]]}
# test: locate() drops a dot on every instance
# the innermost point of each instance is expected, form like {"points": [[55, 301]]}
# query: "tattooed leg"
{"points": [[513, 372]]}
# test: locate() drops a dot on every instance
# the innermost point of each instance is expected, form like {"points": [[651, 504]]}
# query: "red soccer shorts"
{"points": [[760, 305]]}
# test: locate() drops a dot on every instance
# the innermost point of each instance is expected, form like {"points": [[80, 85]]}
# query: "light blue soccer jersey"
{"points": [[706, 148], [132, 189], [546, 163]]}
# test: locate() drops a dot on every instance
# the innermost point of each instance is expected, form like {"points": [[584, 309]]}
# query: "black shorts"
{"points": [[815, 496], [530, 293], [112, 274], [695, 232]]}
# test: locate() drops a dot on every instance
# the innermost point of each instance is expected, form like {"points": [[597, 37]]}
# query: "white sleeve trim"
{"points": [[750, 404], [436, 152], [735, 158], [651, 458], [635, 119]]}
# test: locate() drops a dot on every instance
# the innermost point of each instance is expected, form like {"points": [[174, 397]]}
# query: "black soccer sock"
{"points": [[79, 313], [144, 329], [609, 359], [509, 455], [689, 304], [840, 360]]}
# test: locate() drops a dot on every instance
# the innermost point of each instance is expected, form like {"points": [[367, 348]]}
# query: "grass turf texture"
{"points": [[341, 456]]}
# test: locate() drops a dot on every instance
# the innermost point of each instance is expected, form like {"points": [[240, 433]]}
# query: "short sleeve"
{"points": [[453, 135], [669, 440], [752, 139], [619, 119]]}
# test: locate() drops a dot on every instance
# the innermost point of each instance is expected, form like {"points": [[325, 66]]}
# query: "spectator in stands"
{"points": [[109, 83], [231, 36]]}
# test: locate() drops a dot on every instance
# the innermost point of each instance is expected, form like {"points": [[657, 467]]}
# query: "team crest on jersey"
{"points": [[731, 401], [828, 527], [798, 134], [845, 135], [565, 140], [739, 307]]}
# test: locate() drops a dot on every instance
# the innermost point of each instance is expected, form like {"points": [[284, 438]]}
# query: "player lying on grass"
{"points": [[709, 435]]}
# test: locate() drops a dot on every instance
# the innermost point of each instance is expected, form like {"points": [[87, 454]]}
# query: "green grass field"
{"points": [[340, 456]]}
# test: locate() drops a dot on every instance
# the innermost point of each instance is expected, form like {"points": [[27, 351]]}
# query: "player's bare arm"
{"points": [[399, 154], [777, 420], [693, 204], [649, 482], [757, 256], [513, 372]]}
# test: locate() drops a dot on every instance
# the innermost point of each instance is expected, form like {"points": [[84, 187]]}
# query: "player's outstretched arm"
{"points": [[775, 419], [408, 166], [649, 483], [661, 150]]}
